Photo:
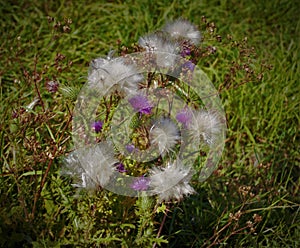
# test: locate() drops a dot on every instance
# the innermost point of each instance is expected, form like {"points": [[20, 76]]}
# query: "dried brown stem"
{"points": [[35, 84], [43, 181]]}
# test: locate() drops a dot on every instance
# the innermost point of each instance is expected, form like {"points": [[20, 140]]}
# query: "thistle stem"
{"points": [[161, 227]]}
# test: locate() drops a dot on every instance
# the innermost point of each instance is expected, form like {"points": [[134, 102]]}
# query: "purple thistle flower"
{"points": [[130, 148], [185, 52], [120, 167], [141, 104], [184, 116], [188, 65], [97, 126], [140, 184]]}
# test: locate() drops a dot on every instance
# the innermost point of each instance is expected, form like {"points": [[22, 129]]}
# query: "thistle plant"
{"points": [[143, 94], [148, 123]]}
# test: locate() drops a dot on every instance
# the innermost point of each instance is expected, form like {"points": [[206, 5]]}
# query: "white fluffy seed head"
{"points": [[183, 29], [205, 126], [158, 42], [91, 167], [167, 49], [106, 73], [164, 134], [171, 182]]}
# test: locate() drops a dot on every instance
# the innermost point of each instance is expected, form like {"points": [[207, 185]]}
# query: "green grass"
{"points": [[259, 171]]}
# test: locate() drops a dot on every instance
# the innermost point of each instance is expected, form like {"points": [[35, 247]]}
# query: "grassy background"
{"points": [[259, 172]]}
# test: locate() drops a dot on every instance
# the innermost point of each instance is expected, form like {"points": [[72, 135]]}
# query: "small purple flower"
{"points": [[141, 104], [97, 126], [184, 116], [120, 167], [188, 65], [140, 184], [52, 86], [185, 52], [130, 148]]}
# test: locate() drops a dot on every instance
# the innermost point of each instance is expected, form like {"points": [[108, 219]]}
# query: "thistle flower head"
{"points": [[120, 167], [188, 66], [205, 126], [92, 166], [164, 134], [185, 52], [158, 42], [130, 148], [97, 126], [105, 73], [171, 182], [141, 104], [140, 184], [183, 29], [184, 116]]}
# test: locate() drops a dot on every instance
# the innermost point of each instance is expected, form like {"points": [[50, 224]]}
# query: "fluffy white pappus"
{"points": [[106, 73], [73, 168], [91, 167], [164, 133], [99, 62], [158, 42], [171, 182], [205, 126], [183, 29]]}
